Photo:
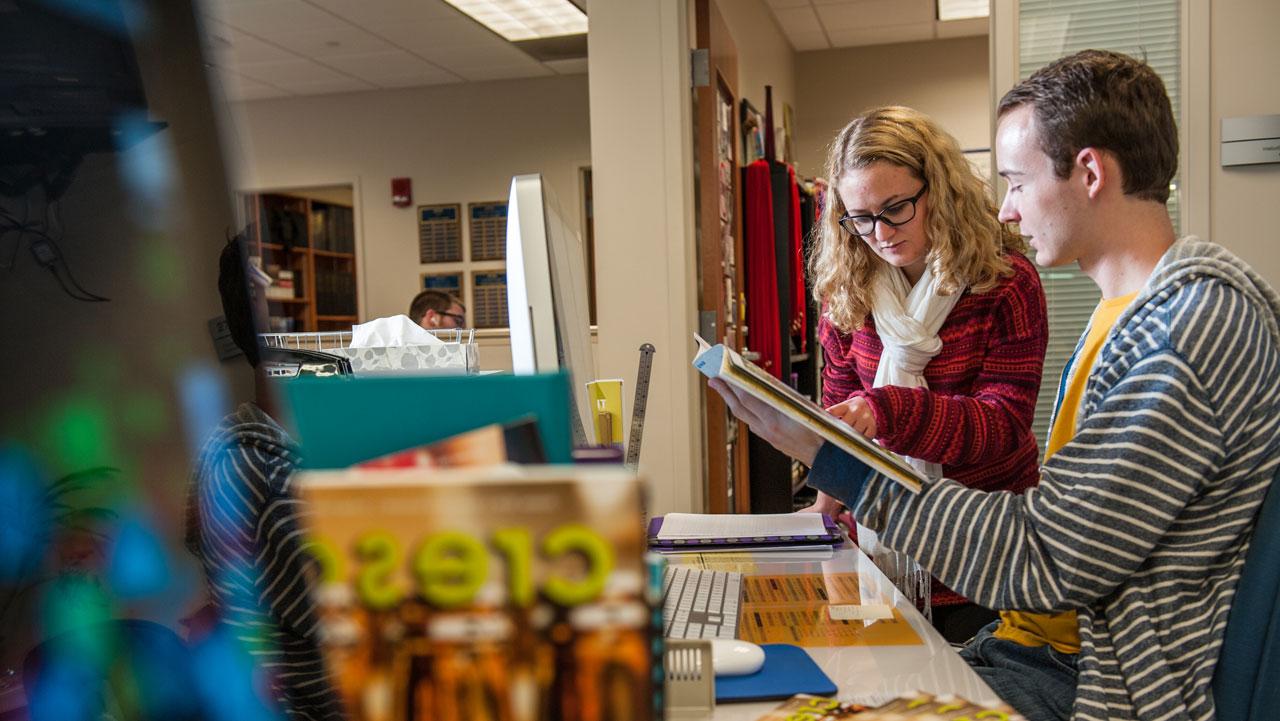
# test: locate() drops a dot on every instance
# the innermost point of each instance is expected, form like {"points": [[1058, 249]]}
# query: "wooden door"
{"points": [[716, 142]]}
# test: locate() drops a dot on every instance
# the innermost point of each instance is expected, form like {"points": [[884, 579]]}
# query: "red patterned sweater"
{"points": [[975, 417]]}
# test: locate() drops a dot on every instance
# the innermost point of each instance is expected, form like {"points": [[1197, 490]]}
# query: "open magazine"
{"points": [[723, 363]]}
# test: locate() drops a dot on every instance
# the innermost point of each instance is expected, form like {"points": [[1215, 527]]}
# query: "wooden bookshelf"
{"points": [[315, 241]]}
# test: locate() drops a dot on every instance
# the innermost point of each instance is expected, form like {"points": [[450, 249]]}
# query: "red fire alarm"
{"points": [[401, 192]]}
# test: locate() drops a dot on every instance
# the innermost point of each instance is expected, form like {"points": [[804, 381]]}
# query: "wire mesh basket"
{"points": [[341, 339], [456, 353]]}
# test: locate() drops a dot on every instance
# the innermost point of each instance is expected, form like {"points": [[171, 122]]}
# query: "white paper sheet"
{"points": [[740, 525]]}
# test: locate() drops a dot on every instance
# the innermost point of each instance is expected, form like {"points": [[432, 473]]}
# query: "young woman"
{"points": [[934, 327]]}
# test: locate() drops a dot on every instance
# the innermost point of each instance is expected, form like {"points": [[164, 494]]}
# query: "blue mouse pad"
{"points": [[787, 671]]}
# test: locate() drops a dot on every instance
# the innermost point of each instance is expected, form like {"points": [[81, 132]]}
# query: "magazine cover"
{"points": [[490, 594]]}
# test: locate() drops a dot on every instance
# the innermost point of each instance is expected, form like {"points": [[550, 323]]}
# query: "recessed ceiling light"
{"points": [[526, 19], [963, 9]]}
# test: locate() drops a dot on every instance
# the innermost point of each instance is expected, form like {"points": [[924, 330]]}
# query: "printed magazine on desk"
{"points": [[484, 593], [721, 362]]}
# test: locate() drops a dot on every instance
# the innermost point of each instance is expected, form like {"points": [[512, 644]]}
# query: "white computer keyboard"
{"points": [[700, 603]]}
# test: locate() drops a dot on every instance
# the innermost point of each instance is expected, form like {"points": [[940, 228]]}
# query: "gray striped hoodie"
{"points": [[1142, 521]]}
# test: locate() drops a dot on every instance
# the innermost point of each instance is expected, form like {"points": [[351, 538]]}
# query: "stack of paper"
{"points": [[702, 533]]}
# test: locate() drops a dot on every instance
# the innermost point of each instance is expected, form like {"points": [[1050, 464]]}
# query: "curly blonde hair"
{"points": [[967, 242]]}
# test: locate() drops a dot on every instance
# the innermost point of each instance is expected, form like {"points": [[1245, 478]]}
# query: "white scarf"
{"points": [[907, 320]]}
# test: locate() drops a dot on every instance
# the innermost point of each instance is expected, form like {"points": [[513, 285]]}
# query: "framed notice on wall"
{"points": [[440, 233], [489, 307], [450, 283], [488, 230]]}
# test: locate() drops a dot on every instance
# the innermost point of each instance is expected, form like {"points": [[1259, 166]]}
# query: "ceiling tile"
{"points": [[490, 54], [808, 41], [342, 85], [798, 20], [881, 35], [270, 16], [390, 66], [873, 13], [504, 72], [290, 73], [374, 13], [347, 40], [447, 31], [416, 82], [576, 66], [230, 47], [236, 87], [962, 28]]}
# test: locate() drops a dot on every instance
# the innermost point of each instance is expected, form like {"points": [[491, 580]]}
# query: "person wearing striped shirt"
{"points": [[242, 523], [1141, 520]]}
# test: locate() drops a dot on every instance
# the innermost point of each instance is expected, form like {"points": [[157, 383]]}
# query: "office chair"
{"points": [[1245, 684]]}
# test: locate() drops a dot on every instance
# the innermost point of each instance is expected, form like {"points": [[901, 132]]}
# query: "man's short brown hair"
{"points": [[1109, 101], [436, 300]]}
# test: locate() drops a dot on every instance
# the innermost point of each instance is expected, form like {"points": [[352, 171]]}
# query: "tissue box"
{"points": [[412, 359]]}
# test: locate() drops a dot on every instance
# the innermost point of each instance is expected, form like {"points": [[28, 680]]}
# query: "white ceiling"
{"points": [[278, 48], [824, 24]]}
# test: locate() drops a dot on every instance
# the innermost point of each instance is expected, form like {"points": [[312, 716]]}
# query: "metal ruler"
{"points": [[637, 407]]}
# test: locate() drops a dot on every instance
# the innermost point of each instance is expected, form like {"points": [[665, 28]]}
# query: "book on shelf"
{"points": [[721, 362]]}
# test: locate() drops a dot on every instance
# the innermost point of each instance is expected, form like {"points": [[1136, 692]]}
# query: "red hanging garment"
{"points": [[762, 268], [798, 300]]}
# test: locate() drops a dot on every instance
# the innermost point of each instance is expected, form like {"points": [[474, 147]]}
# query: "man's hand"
{"points": [[857, 413], [770, 424]]}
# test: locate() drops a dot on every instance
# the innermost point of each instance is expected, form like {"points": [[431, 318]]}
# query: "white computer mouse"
{"points": [[735, 657]]}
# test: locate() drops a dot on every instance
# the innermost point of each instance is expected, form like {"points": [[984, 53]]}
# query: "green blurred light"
{"points": [[78, 435], [143, 413], [102, 367], [160, 268], [76, 609]]}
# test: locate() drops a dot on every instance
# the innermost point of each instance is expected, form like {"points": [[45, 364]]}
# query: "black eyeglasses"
{"points": [[897, 214], [460, 319]]}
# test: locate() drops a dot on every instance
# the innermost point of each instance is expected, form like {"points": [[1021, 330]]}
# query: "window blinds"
{"points": [[1050, 29]]}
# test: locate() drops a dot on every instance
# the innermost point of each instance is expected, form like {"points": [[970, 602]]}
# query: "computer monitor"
{"points": [[547, 293]]}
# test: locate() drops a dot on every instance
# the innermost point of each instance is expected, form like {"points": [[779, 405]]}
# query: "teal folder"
{"points": [[344, 420]]}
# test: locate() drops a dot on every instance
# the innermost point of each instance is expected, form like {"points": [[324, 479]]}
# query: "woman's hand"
{"points": [[824, 504], [857, 413], [770, 424]]}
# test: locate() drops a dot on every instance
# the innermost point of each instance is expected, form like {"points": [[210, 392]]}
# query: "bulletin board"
{"points": [[489, 304], [488, 230], [440, 233]]}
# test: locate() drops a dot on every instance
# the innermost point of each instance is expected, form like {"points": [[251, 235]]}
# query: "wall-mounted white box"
{"points": [[1251, 141]]}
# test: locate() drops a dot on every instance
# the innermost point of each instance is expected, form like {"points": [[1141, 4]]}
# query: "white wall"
{"points": [[947, 79], [459, 143], [1245, 62], [641, 152], [765, 58]]}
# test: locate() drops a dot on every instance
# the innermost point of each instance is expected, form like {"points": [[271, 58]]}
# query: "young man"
{"points": [[1167, 435], [434, 309]]}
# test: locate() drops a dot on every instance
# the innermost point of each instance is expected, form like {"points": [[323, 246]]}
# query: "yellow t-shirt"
{"points": [[1059, 629]]}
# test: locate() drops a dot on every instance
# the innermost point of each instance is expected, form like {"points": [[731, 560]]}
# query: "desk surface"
{"points": [[861, 672]]}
